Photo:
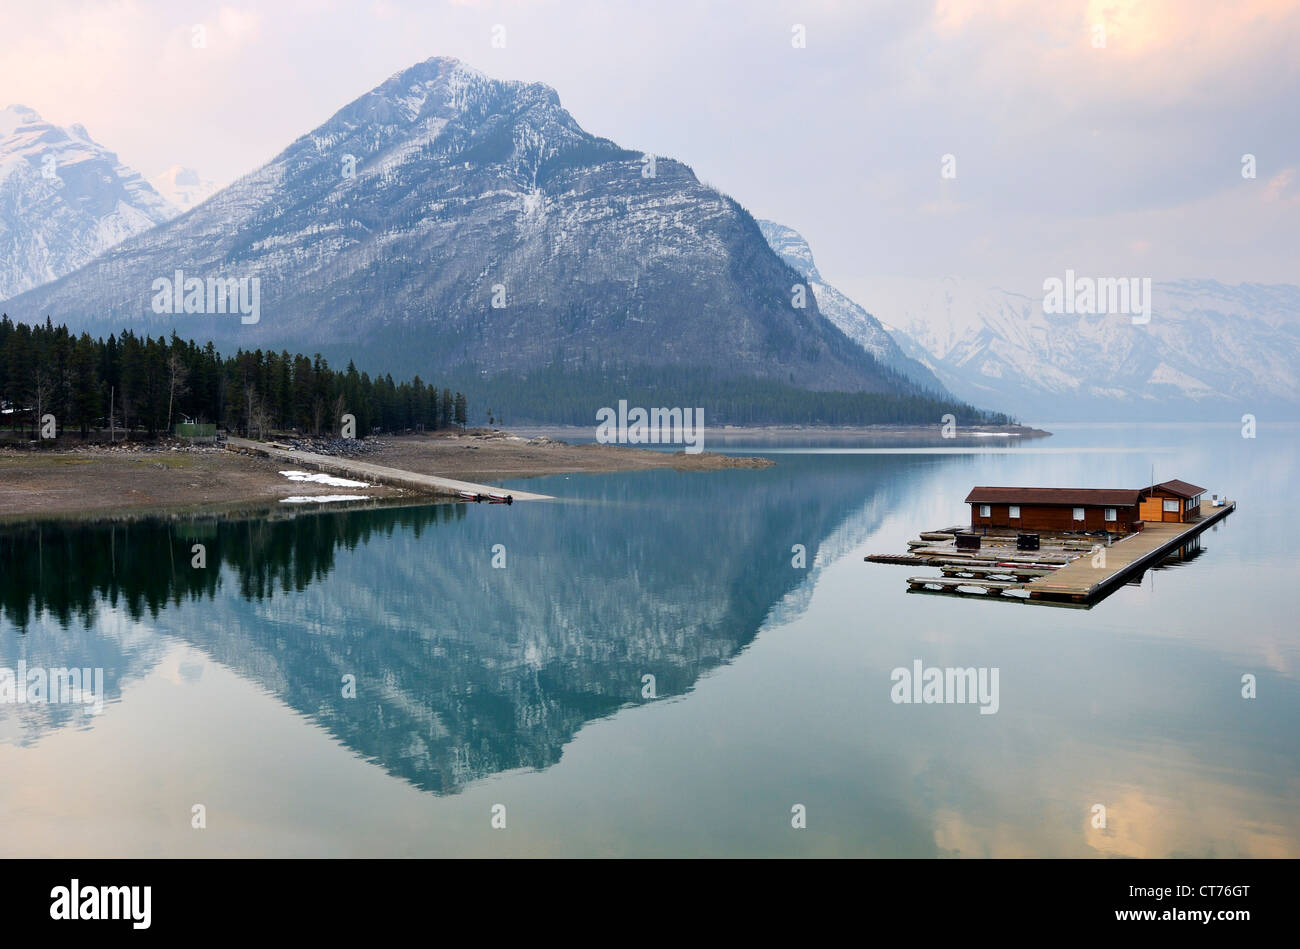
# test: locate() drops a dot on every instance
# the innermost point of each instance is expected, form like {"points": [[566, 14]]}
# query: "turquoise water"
{"points": [[523, 686]]}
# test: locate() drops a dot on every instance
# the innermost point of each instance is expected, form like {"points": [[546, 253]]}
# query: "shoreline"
{"points": [[173, 480], [761, 433], [97, 484], [168, 478]]}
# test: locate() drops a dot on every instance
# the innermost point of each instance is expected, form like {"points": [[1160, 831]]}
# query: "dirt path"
{"points": [[376, 474]]}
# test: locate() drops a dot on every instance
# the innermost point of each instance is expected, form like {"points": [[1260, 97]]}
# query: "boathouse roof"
{"points": [[1180, 489], [1107, 497]]}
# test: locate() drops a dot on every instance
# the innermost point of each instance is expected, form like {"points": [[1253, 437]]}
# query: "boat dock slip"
{"points": [[1061, 572], [954, 585], [993, 572], [364, 470]]}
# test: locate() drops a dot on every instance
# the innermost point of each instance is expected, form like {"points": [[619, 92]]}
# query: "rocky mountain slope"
{"points": [[856, 323], [447, 220], [64, 200]]}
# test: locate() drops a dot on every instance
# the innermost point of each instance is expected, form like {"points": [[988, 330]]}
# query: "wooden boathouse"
{"points": [[1093, 540], [1056, 510]]}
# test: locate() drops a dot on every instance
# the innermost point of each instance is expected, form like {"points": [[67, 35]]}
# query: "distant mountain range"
{"points": [[446, 223], [469, 230], [64, 200], [182, 187], [1209, 350], [856, 323]]}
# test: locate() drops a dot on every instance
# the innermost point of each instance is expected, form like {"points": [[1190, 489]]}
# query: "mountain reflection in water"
{"points": [[462, 669]]}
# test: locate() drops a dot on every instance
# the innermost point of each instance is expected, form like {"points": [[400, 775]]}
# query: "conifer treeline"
{"points": [[154, 383]]}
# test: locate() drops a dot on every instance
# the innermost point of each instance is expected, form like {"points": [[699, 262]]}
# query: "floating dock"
{"points": [[381, 474], [1080, 581], [1067, 571]]}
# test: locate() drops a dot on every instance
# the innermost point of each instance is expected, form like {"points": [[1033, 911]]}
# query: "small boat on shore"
{"points": [[496, 497], [469, 496]]}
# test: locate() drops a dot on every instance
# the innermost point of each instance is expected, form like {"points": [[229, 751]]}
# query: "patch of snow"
{"points": [[1167, 375], [318, 478], [323, 498]]}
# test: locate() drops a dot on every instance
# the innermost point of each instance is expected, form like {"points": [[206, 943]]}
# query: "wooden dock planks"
{"points": [[1080, 580]]}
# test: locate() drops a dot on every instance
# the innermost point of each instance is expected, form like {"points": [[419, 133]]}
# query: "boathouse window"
{"points": [[1014, 512], [1171, 505], [1078, 513], [1111, 515], [985, 510]]}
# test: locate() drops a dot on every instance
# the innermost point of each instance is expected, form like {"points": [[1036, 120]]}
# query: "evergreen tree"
{"points": [[148, 384]]}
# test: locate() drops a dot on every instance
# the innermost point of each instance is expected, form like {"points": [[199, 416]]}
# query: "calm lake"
{"points": [[524, 685]]}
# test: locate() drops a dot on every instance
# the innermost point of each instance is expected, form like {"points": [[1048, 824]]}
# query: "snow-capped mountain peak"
{"points": [[64, 200], [11, 117], [855, 322], [791, 247], [448, 222], [183, 187]]}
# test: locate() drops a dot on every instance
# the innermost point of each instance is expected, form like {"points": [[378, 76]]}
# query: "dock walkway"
{"points": [[364, 470], [1080, 580]]}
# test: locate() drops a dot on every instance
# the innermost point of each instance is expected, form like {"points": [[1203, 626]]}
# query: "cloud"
{"points": [[238, 25], [1281, 188], [1063, 148]]}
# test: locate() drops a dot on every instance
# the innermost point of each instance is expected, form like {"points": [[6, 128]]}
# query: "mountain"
{"points": [[449, 224], [64, 200], [182, 187], [1208, 350], [856, 323]]}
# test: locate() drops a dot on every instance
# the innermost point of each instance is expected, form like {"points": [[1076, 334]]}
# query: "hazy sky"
{"points": [[1122, 159]]}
